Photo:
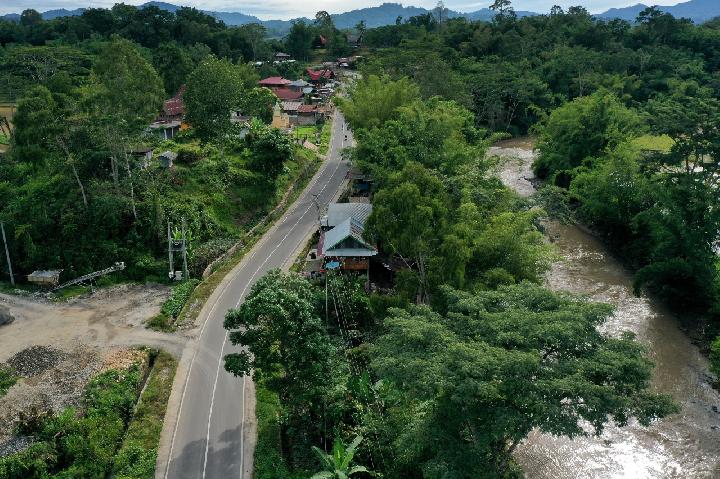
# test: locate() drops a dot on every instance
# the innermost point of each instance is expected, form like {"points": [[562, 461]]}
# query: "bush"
{"points": [[8, 378], [206, 253], [715, 357], [189, 154], [180, 294]]}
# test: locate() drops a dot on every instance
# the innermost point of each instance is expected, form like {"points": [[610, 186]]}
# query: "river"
{"points": [[686, 445]]}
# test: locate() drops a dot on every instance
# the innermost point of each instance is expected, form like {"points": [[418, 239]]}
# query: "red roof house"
{"points": [[174, 108], [285, 94], [321, 75], [274, 82]]}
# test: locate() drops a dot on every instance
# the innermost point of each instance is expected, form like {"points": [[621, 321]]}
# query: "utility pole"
{"points": [[7, 254], [184, 251], [170, 253]]}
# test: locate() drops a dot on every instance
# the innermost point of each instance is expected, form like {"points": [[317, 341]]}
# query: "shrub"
{"points": [[715, 357], [178, 298], [206, 253], [7, 379], [189, 154]]}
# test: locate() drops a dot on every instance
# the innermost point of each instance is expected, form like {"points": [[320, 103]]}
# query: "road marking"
{"points": [[242, 294]]}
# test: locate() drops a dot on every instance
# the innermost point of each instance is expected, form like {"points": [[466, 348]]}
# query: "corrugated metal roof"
{"points": [[339, 212], [349, 228]]}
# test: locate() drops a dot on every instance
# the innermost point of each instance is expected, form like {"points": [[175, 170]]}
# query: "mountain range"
{"points": [[698, 11]]}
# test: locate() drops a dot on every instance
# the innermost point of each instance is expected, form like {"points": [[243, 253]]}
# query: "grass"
{"points": [[202, 292], [311, 133], [138, 453], [8, 378], [4, 139], [661, 143], [269, 462]]}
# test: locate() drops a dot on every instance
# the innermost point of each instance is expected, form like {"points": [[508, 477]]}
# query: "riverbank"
{"points": [[681, 446]]}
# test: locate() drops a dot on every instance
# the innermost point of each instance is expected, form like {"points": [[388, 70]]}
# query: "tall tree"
{"points": [[214, 89], [470, 385]]}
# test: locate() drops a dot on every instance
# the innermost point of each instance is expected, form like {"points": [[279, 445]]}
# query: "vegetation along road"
{"points": [[209, 430]]}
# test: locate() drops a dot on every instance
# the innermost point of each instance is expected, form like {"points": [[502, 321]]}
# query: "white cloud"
{"points": [[284, 9]]}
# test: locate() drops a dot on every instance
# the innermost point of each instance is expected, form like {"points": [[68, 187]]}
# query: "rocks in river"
{"points": [[6, 316]]}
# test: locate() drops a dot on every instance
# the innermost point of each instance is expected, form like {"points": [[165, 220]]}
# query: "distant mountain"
{"points": [[698, 11], [386, 14]]}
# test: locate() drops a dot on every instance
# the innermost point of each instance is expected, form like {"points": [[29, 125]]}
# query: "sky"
{"points": [[285, 9]]}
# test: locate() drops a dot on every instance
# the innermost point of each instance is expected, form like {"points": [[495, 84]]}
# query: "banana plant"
{"points": [[337, 465]]}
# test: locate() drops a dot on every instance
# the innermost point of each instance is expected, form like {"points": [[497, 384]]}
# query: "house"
{"points": [[142, 156], [308, 115], [343, 247], [298, 85], [274, 82], [166, 159], [280, 119], [360, 183], [281, 57], [339, 212], [354, 40], [170, 120], [285, 94], [320, 76], [291, 107]]}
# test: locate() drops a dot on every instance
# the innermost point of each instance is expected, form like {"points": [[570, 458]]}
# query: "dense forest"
{"points": [[444, 376]]}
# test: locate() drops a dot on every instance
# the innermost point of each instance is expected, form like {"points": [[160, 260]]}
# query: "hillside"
{"points": [[386, 14], [698, 11]]}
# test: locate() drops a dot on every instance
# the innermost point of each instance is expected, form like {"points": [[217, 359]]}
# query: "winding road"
{"points": [[210, 429]]}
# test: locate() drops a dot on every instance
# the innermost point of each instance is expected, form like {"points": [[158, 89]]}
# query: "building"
{"points": [[354, 40], [170, 120], [142, 156], [280, 119], [343, 247], [167, 158], [282, 57], [285, 94], [298, 85], [274, 82], [339, 212], [320, 76], [308, 115]]}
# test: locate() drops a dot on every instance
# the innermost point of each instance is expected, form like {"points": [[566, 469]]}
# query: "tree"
{"points": [[580, 131], [337, 465], [174, 64], [258, 103], [375, 100], [409, 217], [503, 9], [270, 149], [30, 18], [214, 89], [128, 95], [298, 42], [470, 384]]}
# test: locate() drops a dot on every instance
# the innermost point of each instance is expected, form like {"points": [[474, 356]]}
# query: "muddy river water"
{"points": [[686, 445]]}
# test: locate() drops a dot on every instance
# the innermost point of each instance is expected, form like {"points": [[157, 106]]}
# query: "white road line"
{"points": [[242, 294]]}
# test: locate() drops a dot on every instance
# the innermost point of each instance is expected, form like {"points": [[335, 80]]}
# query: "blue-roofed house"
{"points": [[344, 244]]}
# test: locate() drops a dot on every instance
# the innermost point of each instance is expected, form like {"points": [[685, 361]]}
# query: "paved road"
{"points": [[210, 426]]}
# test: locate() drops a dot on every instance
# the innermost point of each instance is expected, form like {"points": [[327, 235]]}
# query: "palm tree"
{"points": [[337, 464]]}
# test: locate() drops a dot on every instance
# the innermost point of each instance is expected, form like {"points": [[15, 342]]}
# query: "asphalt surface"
{"points": [[212, 432]]}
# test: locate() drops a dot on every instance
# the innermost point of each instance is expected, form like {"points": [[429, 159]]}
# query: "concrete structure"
{"points": [[167, 158]]}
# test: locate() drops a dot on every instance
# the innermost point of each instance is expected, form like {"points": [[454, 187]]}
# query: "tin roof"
{"points": [[339, 212]]}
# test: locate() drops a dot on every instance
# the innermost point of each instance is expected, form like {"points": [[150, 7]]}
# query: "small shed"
{"points": [[166, 159], [46, 278]]}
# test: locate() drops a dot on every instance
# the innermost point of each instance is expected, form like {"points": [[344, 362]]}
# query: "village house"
{"points": [[320, 76], [343, 247], [170, 120], [308, 115], [274, 82], [281, 57]]}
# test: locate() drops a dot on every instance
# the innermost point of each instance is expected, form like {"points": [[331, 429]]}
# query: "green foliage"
{"points": [[179, 296], [270, 148], [8, 378], [137, 456], [715, 357], [69, 445], [580, 131], [337, 464], [509, 361], [375, 100], [214, 89]]}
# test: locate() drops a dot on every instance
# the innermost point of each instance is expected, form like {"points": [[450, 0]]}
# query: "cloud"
{"points": [[285, 9]]}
